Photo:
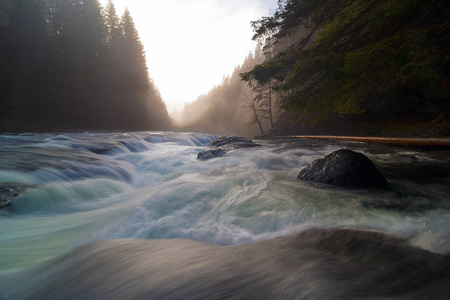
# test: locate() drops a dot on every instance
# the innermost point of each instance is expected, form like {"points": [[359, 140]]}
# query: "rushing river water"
{"points": [[89, 187]]}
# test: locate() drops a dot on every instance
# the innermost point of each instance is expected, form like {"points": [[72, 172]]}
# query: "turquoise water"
{"points": [[95, 186], [149, 185]]}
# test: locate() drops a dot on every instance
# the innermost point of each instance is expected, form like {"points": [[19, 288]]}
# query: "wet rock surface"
{"points": [[222, 145], [345, 168], [10, 190]]}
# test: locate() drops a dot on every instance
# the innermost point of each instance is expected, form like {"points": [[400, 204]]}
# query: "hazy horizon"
{"points": [[192, 45]]}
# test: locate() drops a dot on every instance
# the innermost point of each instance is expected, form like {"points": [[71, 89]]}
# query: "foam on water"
{"points": [[66, 197], [150, 185]]}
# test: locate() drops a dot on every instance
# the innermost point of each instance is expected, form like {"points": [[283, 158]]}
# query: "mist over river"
{"points": [[122, 190]]}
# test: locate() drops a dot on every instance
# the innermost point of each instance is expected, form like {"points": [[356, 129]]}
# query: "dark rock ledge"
{"points": [[344, 168], [10, 190], [222, 145]]}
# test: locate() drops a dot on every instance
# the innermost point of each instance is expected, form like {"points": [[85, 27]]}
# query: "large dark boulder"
{"points": [[344, 168], [221, 145], [10, 190], [232, 142]]}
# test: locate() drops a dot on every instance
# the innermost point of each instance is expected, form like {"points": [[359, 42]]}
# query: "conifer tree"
{"points": [[132, 55], [356, 55], [22, 51], [66, 65], [112, 24]]}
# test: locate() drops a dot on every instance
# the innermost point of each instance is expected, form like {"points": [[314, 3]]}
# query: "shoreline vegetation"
{"points": [[370, 68], [352, 67]]}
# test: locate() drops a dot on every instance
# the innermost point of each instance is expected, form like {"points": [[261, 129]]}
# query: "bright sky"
{"points": [[191, 44]]}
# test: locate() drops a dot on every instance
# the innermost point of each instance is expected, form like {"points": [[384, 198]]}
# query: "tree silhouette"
{"points": [[356, 55], [71, 65]]}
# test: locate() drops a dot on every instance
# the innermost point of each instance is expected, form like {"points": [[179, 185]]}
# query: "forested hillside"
{"points": [[73, 65], [366, 67], [378, 63]]}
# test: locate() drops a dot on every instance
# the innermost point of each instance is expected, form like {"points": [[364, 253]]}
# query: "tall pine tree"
{"points": [[67, 65], [356, 55]]}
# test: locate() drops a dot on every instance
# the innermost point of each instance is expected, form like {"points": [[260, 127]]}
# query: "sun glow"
{"points": [[191, 45]]}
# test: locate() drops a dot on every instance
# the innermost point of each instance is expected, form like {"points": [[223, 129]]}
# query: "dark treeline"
{"points": [[344, 67], [376, 63], [73, 65]]}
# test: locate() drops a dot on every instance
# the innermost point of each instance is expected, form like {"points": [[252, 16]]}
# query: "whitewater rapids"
{"points": [[115, 215]]}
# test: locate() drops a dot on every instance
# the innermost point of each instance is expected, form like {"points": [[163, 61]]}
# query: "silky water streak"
{"points": [[136, 215]]}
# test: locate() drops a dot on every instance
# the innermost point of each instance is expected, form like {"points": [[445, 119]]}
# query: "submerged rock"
{"points": [[208, 154], [344, 168], [401, 204], [10, 190], [221, 145], [233, 142]]}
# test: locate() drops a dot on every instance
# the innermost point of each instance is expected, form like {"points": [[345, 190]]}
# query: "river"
{"points": [[135, 187]]}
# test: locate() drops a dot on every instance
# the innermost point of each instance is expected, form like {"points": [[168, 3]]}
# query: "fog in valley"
{"points": [[230, 107], [136, 163]]}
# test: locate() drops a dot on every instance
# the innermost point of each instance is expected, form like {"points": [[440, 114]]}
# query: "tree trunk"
{"points": [[270, 105]]}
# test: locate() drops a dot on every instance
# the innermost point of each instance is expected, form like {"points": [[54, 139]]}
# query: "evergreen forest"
{"points": [[73, 65], [366, 67]]}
